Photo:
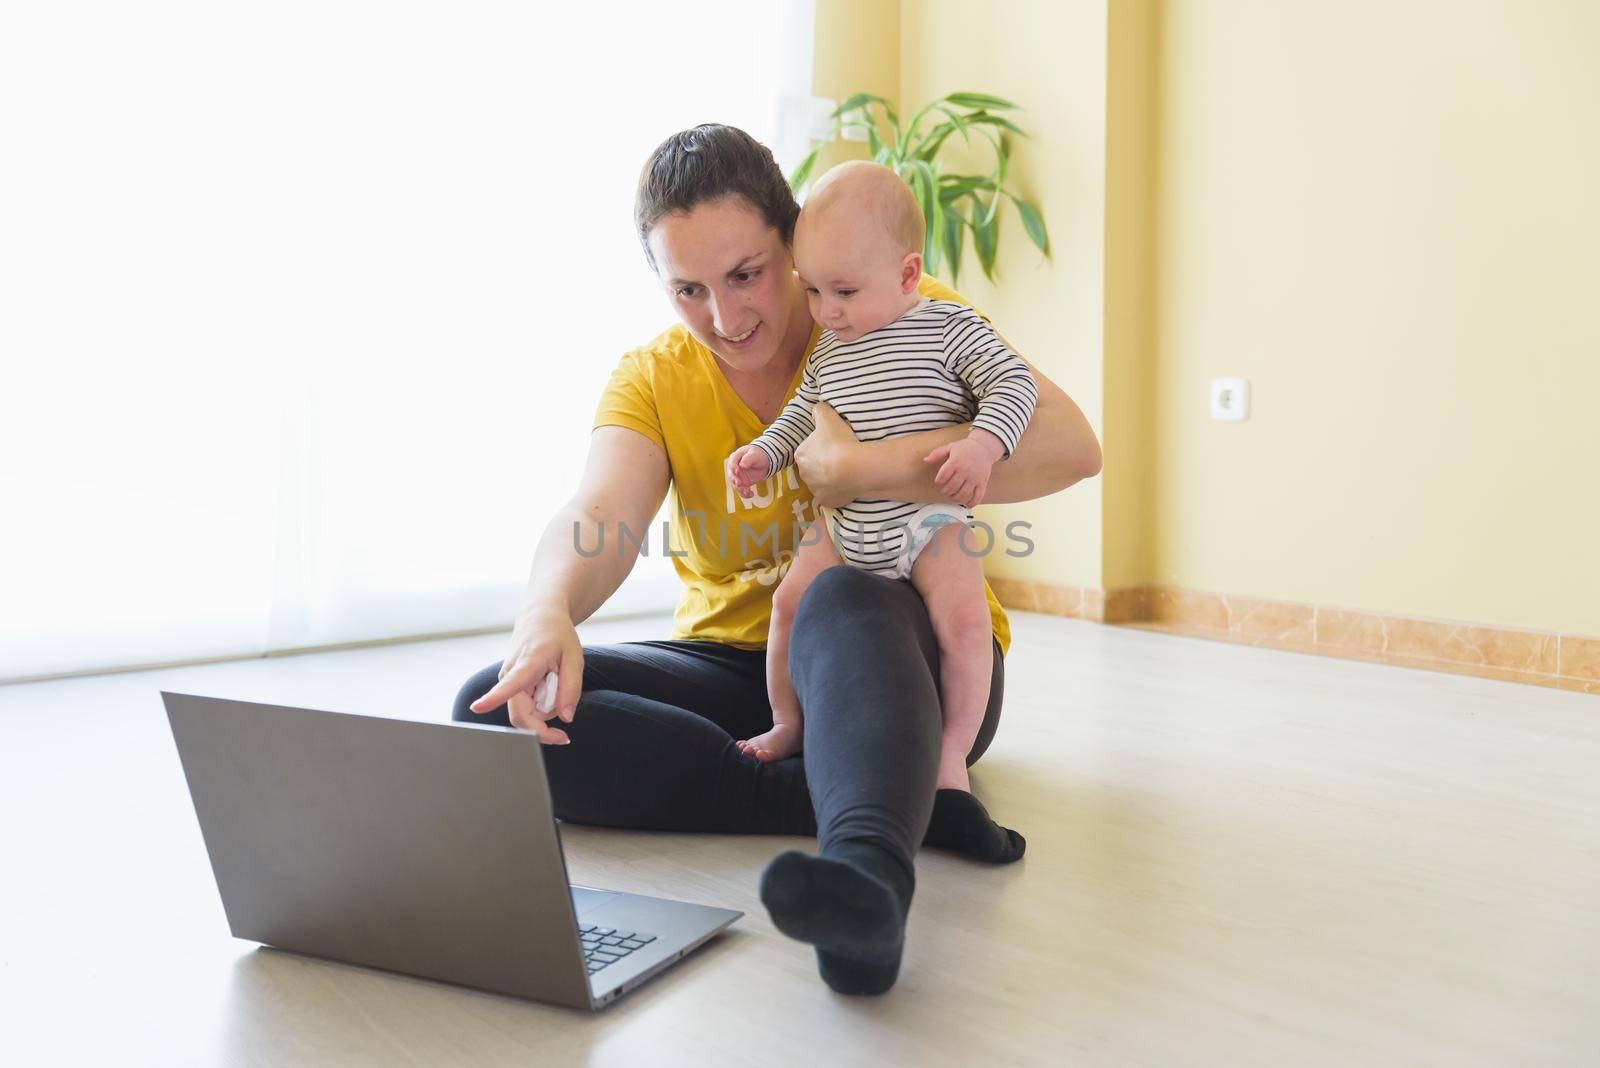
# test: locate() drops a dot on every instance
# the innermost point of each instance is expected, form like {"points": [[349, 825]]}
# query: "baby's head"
{"points": [[858, 249]]}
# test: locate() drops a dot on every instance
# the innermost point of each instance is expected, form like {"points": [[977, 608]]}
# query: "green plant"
{"points": [[952, 204]]}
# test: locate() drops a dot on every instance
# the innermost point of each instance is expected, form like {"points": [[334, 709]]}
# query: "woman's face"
{"points": [[731, 280]]}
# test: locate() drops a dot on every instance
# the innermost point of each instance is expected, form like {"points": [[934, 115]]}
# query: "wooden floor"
{"points": [[1236, 856]]}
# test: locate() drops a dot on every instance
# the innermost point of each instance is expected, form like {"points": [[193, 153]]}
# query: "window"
{"points": [[304, 307]]}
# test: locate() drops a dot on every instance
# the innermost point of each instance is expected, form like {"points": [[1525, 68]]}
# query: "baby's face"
{"points": [[856, 280]]}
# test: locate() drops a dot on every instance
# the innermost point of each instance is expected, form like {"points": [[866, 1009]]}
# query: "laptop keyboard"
{"points": [[607, 945]]}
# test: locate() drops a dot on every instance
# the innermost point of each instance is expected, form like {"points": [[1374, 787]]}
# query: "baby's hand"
{"points": [[746, 466], [964, 474]]}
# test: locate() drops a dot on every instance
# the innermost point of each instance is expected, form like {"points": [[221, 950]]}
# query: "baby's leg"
{"points": [[814, 556], [951, 584]]}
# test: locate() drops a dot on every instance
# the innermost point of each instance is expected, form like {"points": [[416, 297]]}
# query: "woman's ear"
{"points": [[910, 272]]}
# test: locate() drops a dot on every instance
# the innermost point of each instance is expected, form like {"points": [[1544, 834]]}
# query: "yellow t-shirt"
{"points": [[735, 549]]}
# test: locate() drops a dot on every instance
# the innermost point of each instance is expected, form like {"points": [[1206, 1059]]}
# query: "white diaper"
{"points": [[922, 525]]}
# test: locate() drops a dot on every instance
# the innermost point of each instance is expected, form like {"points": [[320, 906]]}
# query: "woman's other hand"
{"points": [[826, 459], [544, 642]]}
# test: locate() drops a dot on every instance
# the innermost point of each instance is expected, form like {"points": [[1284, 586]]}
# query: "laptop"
{"points": [[429, 849]]}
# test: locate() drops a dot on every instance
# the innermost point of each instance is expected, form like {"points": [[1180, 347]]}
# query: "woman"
{"points": [[649, 728]]}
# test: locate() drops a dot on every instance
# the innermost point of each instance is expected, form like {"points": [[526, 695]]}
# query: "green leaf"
{"points": [[928, 197], [857, 111], [859, 100], [953, 234], [1032, 222], [952, 185], [936, 138], [985, 236], [911, 127], [981, 101], [999, 180], [983, 118], [999, 184], [912, 176], [874, 142], [797, 180], [959, 122], [953, 204]]}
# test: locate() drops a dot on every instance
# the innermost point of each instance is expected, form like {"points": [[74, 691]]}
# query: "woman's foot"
{"points": [[783, 740], [961, 823], [853, 916]]}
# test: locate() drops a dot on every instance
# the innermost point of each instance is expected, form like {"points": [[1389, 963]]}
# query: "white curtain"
{"points": [[304, 307]]}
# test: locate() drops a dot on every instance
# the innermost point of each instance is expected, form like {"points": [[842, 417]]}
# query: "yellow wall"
{"points": [[1384, 215], [1131, 301], [1049, 57], [857, 50]]}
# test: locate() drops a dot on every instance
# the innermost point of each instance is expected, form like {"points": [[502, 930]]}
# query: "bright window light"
{"points": [[305, 307]]}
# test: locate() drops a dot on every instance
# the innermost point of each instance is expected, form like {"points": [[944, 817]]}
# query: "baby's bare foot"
{"points": [[781, 741]]}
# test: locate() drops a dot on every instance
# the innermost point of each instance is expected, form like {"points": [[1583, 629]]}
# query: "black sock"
{"points": [[961, 823], [851, 904]]}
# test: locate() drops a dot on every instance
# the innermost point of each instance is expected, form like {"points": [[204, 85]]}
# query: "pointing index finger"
{"points": [[500, 693]]}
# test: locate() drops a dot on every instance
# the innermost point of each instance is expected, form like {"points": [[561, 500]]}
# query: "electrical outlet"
{"points": [[1230, 399]]}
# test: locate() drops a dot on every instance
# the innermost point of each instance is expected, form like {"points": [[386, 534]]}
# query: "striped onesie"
{"points": [[940, 364]]}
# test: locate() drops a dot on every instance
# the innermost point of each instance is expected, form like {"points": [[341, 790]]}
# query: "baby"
{"points": [[892, 362]]}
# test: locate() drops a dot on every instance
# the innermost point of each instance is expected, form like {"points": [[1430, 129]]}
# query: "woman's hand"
{"points": [[543, 642], [827, 459]]}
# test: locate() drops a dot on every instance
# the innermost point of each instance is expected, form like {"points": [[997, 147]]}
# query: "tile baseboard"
{"points": [[1539, 658]]}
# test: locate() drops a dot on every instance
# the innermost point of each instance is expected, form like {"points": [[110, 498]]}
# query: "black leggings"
{"points": [[652, 740]]}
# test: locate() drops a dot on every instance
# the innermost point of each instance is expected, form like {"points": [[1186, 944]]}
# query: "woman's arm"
{"points": [[1057, 449], [624, 483]]}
